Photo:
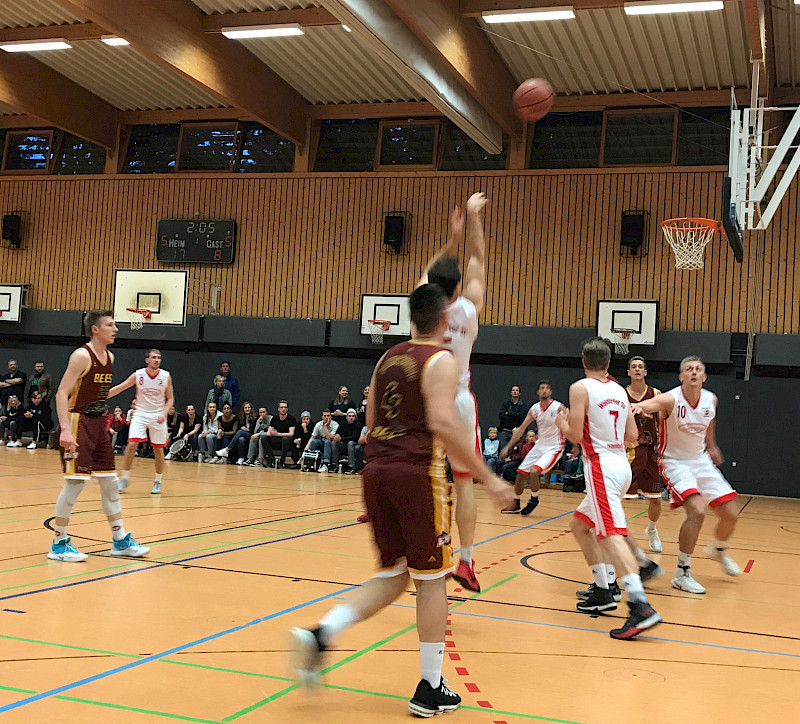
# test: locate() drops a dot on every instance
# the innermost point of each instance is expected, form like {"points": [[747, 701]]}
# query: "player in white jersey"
{"points": [[599, 420], [688, 456], [466, 302], [154, 396], [543, 455]]}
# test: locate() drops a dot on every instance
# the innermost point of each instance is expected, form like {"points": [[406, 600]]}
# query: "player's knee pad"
{"points": [[67, 497], [109, 495]]}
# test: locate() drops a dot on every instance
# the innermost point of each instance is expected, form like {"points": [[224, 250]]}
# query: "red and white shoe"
{"points": [[465, 575]]}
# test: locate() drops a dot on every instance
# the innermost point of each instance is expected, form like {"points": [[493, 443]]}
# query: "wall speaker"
{"points": [[632, 232], [12, 229], [393, 231]]}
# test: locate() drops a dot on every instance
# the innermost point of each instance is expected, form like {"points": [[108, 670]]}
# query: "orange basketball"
{"points": [[533, 99]]}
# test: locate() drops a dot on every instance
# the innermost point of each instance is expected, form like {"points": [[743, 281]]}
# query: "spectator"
{"points": [[349, 431], [573, 465], [41, 381], [361, 410], [512, 415], [341, 404], [12, 383], [280, 435], [303, 433], [119, 431], [231, 383], [228, 427], [175, 425], [192, 426], [207, 438], [508, 467], [246, 423], [324, 439], [258, 435], [37, 420], [491, 448], [11, 422], [218, 394]]}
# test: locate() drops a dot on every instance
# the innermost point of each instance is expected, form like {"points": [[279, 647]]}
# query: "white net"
{"points": [[688, 239], [137, 324], [377, 328], [622, 340]]}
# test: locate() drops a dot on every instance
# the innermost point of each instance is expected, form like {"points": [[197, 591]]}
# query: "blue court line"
{"points": [[170, 563], [183, 647], [12, 610], [517, 530]]}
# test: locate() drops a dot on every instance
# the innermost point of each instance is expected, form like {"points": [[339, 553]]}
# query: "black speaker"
{"points": [[632, 231], [12, 227], [393, 231]]}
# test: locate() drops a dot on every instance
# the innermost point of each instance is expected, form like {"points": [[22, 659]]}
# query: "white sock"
{"points": [[534, 495], [641, 557], [720, 545], [517, 497], [337, 620], [125, 475], [633, 587], [430, 663], [684, 560], [466, 554], [611, 573], [158, 477], [118, 530], [61, 532], [600, 576], [651, 526]]}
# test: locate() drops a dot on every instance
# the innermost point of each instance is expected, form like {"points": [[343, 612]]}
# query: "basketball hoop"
{"points": [[137, 324], [377, 328], [688, 238], [622, 340]]}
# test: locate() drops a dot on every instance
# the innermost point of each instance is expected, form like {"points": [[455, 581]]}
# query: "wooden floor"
{"points": [[198, 631]]}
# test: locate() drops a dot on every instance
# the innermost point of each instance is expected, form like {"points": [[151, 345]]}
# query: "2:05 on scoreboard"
{"points": [[204, 241]]}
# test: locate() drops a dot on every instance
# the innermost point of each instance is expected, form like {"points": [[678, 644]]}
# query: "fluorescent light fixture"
{"points": [[350, 31], [31, 46], [263, 31], [114, 40], [649, 8], [528, 16]]}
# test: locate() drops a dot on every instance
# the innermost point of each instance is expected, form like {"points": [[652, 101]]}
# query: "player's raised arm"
{"points": [[517, 434], [570, 422], [455, 234], [475, 276], [663, 404], [122, 386], [79, 365]]}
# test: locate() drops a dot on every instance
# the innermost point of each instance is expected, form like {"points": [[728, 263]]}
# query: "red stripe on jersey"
{"points": [[596, 480]]}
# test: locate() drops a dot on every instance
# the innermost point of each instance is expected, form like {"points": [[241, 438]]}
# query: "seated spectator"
{"points": [[175, 425], [361, 410], [12, 383], [573, 464], [512, 415], [323, 440], [11, 422], [341, 404], [119, 431], [491, 447], [207, 437], [37, 420], [42, 382], [246, 423], [192, 427], [508, 467], [218, 394], [349, 431], [231, 383], [257, 435], [280, 435], [228, 427], [303, 433]]}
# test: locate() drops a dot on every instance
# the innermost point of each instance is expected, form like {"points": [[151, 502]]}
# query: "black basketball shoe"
{"points": [[428, 702], [600, 600], [616, 592], [530, 506], [642, 617]]}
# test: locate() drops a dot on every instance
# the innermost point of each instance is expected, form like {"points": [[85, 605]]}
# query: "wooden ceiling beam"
{"points": [[309, 17], [476, 8], [756, 28], [73, 31], [171, 33], [684, 99]]}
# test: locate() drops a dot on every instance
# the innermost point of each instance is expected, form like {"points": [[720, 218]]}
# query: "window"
{"points": [[207, 146], [264, 151], [347, 145], [567, 140], [79, 156], [152, 148], [411, 144], [461, 153], [28, 151], [638, 137], [704, 136]]}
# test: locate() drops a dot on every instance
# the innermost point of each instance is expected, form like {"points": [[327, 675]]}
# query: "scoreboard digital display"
{"points": [[203, 241]]}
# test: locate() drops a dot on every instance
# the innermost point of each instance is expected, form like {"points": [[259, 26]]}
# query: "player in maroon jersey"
{"points": [[412, 421]]}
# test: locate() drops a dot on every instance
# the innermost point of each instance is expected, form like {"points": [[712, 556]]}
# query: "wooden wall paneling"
{"points": [[511, 275], [789, 260]]}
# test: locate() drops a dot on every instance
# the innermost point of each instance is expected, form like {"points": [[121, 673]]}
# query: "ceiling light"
{"points": [[31, 46], [528, 16], [114, 40], [350, 31], [263, 31], [649, 8]]}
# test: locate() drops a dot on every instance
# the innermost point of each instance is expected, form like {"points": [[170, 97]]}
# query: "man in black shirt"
{"points": [[12, 383], [512, 415], [349, 431], [280, 435], [41, 382], [37, 420]]}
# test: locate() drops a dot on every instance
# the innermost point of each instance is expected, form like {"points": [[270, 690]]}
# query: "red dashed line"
{"points": [[461, 671], [485, 705], [472, 687], [448, 632], [455, 657], [457, 590], [449, 644]]}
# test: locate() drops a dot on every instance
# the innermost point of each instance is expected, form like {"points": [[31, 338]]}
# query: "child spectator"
{"points": [[516, 456], [11, 423], [119, 431], [491, 447], [37, 420]]}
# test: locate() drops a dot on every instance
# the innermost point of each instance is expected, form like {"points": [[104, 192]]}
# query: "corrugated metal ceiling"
{"points": [[23, 13], [7, 110], [786, 31], [210, 7], [607, 51]]}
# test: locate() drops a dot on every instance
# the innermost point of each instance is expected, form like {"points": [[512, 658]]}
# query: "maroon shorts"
{"points": [[410, 508], [644, 467], [95, 454]]}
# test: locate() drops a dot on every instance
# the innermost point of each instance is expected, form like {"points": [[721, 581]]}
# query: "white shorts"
{"points": [[701, 476], [540, 458], [144, 422], [607, 478], [467, 408]]}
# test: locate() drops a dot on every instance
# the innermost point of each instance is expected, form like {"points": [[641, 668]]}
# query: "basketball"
{"points": [[533, 99]]}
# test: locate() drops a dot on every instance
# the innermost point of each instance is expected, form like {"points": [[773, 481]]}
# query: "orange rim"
{"points": [[676, 224], [384, 323]]}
